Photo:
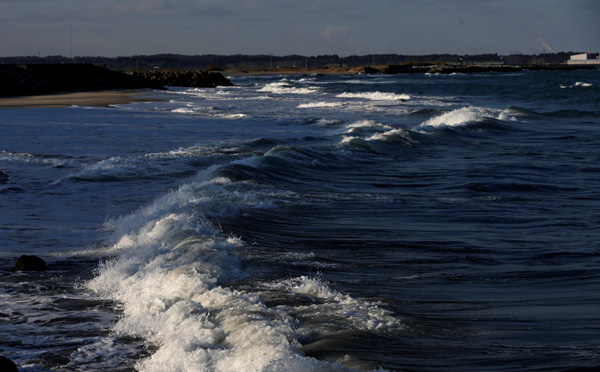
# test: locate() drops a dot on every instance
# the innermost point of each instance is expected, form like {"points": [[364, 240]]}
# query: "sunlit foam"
{"points": [[376, 96], [284, 87], [464, 116], [321, 105], [171, 270], [365, 124]]}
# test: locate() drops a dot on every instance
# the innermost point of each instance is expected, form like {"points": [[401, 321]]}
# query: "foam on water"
{"points": [[393, 135], [210, 111], [321, 105], [466, 116], [366, 125], [350, 313], [577, 84], [285, 87], [376, 96], [366, 132], [22, 157], [170, 272]]}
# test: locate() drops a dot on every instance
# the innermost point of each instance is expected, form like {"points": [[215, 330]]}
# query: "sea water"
{"points": [[308, 223]]}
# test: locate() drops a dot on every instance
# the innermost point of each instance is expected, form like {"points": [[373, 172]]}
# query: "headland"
{"points": [[59, 85]]}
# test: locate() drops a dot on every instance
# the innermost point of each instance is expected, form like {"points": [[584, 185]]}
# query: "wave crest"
{"points": [[466, 116], [376, 96]]}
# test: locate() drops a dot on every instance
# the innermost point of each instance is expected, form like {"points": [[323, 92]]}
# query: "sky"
{"points": [[112, 28]]}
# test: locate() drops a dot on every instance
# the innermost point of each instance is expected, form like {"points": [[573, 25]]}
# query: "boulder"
{"points": [[29, 263], [185, 78], [7, 365]]}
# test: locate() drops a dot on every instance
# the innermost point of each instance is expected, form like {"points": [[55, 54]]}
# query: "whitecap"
{"points": [[321, 105], [171, 270], [365, 124], [283, 87], [465, 116], [376, 96]]}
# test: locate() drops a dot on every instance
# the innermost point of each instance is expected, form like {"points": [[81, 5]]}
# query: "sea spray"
{"points": [[170, 274]]}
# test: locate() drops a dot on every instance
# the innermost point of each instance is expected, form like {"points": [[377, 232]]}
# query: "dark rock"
{"points": [[7, 365], [24, 80], [185, 78], [29, 263]]}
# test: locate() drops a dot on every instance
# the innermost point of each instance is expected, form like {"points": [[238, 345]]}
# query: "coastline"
{"points": [[125, 95], [409, 68], [92, 98]]}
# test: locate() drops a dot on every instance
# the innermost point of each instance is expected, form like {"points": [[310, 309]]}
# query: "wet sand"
{"points": [[101, 98]]}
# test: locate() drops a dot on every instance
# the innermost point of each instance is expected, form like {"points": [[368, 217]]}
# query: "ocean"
{"points": [[412, 222]]}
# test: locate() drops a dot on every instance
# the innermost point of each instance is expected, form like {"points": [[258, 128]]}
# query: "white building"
{"points": [[584, 59]]}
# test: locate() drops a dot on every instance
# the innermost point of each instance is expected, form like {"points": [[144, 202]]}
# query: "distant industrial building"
{"points": [[584, 59]]}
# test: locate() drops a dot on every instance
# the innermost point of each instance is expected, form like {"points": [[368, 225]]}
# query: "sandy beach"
{"points": [[101, 98]]}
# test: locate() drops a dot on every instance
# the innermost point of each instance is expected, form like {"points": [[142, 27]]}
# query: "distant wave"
{"points": [[321, 104], [285, 87], [376, 96], [211, 111], [577, 84], [51, 160]]}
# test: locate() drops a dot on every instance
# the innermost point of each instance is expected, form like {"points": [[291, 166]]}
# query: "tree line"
{"points": [[239, 61]]}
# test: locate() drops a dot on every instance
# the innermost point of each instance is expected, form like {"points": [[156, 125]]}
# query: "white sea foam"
{"points": [[184, 110], [376, 96], [456, 117], [209, 111], [350, 313], [35, 159], [465, 116], [233, 116], [368, 130], [116, 166], [39, 318], [365, 125], [321, 105], [284, 87], [577, 84], [329, 122], [170, 272], [392, 134]]}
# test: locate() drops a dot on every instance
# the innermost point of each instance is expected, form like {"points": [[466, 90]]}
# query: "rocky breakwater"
{"points": [[184, 78]]}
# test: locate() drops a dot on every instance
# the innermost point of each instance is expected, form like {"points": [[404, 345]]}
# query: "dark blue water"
{"points": [[310, 223]]}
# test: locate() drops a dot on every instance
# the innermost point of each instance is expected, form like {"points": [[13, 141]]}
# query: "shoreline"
{"points": [[91, 98], [105, 98], [418, 68]]}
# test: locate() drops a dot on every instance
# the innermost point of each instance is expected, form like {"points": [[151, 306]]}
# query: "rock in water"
{"points": [[29, 263], [7, 365]]}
